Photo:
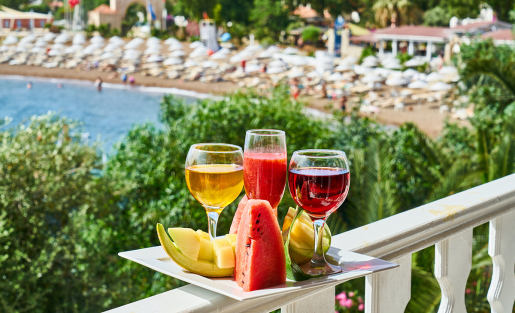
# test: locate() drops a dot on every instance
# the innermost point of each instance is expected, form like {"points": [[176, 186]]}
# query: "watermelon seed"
{"points": [[258, 228], [242, 282], [243, 274], [259, 214], [247, 245], [257, 222]]}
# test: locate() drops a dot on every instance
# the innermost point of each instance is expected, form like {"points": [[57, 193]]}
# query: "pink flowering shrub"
{"points": [[192, 29], [349, 302]]}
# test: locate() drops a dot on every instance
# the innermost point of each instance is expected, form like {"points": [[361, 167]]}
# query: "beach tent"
{"points": [[177, 54], [190, 63], [172, 61], [196, 44], [434, 76], [418, 85], [134, 43], [9, 40], [440, 86]]}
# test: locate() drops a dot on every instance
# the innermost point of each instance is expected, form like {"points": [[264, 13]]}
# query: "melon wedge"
{"points": [[223, 253], [206, 250], [260, 258], [203, 234], [231, 238], [187, 240], [204, 268]]}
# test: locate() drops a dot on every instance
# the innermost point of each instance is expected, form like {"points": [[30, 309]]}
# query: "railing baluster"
{"points": [[453, 261], [322, 302], [501, 248], [389, 291]]}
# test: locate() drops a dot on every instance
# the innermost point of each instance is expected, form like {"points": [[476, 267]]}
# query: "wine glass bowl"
{"points": [[214, 175], [265, 165], [319, 183]]}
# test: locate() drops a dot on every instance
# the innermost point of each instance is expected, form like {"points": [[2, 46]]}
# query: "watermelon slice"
{"points": [[260, 258], [237, 216]]}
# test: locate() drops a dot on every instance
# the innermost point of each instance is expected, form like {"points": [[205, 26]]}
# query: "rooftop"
{"points": [[502, 34], [405, 33]]}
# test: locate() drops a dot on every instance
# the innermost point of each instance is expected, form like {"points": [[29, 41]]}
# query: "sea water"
{"points": [[108, 114]]}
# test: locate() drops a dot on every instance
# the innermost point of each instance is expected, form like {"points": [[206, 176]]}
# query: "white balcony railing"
{"points": [[446, 223]]}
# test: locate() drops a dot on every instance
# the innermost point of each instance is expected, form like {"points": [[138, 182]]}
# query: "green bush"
{"points": [[369, 50], [311, 34]]}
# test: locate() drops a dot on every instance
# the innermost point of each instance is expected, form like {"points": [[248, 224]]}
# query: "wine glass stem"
{"points": [[318, 259], [212, 218]]}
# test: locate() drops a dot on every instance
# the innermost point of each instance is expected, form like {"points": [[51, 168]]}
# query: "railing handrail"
{"points": [[389, 238]]}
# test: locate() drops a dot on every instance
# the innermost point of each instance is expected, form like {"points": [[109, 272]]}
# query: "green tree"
{"points": [[269, 18], [403, 11], [437, 16]]}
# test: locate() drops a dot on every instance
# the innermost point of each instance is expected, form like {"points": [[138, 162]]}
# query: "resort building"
{"points": [[16, 20]]}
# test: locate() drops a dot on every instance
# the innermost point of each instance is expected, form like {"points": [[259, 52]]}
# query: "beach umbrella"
{"points": [[335, 77], [28, 39], [210, 64], [434, 76], [290, 50], [9, 40], [153, 41], [369, 63], [448, 70], [172, 61], [172, 41], [409, 73], [361, 70], [196, 44], [4, 48], [154, 58], [79, 39], [111, 47], [396, 81], [97, 39], [456, 79], [382, 71], [62, 38], [152, 50], [130, 57], [406, 92], [314, 74], [251, 68], [370, 58], [177, 53], [200, 51], [391, 64], [73, 49], [20, 49], [107, 55], [269, 52], [371, 78], [414, 62], [49, 36], [40, 43], [190, 63], [342, 67], [276, 63], [134, 43], [175, 46], [350, 60], [58, 46], [243, 55], [221, 54], [132, 52], [37, 50], [395, 74], [116, 39], [440, 86], [418, 85], [275, 69], [54, 52], [252, 48], [295, 74]]}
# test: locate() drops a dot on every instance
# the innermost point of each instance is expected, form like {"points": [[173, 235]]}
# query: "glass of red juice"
{"points": [[265, 165], [319, 182]]}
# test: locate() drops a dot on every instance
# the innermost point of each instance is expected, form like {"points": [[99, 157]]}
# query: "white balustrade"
{"points": [[446, 223], [501, 248], [453, 261]]}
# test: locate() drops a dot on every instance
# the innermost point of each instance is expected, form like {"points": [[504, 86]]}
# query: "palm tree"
{"points": [[398, 12]]}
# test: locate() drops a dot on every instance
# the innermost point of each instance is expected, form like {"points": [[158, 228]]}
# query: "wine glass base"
{"points": [[328, 269]]}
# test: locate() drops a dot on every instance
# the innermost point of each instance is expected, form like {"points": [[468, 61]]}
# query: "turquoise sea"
{"points": [[108, 114]]}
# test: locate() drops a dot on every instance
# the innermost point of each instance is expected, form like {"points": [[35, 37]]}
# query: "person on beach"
{"points": [[29, 85], [124, 78], [132, 81], [343, 102], [98, 83], [59, 86]]}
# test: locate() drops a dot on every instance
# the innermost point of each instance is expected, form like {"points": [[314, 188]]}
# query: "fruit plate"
{"points": [[354, 265]]}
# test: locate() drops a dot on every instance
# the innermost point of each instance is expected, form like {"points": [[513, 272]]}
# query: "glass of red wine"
{"points": [[319, 182]]}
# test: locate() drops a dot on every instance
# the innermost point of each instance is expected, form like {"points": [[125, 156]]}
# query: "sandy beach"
{"points": [[426, 116]]}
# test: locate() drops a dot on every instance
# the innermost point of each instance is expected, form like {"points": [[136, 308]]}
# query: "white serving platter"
{"points": [[354, 265]]}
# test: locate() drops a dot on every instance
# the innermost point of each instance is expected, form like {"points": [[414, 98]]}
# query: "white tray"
{"points": [[354, 265]]}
